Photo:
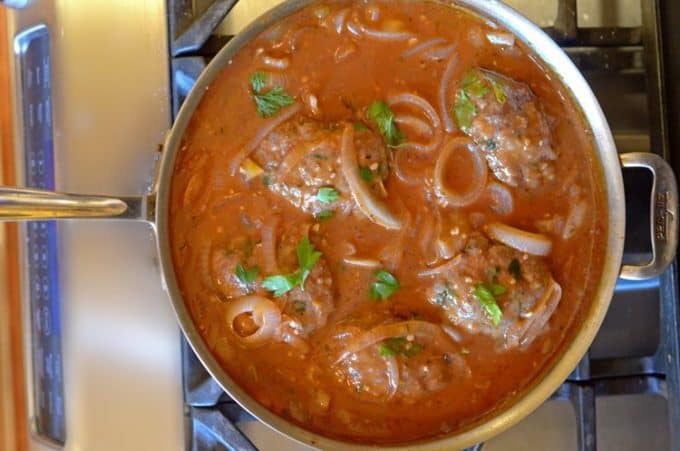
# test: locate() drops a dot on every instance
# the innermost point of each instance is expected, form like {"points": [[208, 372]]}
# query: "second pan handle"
{"points": [[664, 215]]}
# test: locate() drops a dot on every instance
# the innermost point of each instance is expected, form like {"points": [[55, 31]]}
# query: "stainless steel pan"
{"points": [[24, 204]]}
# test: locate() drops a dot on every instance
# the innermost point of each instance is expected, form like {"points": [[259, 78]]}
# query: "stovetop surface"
{"points": [[624, 394]]}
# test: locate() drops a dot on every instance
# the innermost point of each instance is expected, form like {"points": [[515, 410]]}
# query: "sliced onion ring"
{"points": [[541, 313], [501, 198], [423, 330], [362, 262], [392, 374], [265, 314], [443, 268], [476, 188], [419, 102], [439, 53], [419, 125], [276, 63], [384, 35], [375, 210], [422, 46], [553, 290], [523, 241], [429, 111], [272, 123], [443, 93]]}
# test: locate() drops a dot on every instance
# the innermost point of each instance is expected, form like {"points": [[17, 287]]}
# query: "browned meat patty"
{"points": [[520, 284], [304, 311], [302, 155], [405, 360], [506, 121]]}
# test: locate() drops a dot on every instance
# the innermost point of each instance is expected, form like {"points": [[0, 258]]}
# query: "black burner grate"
{"points": [[609, 58]]}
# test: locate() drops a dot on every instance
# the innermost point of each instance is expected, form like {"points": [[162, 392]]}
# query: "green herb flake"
{"points": [[327, 195], [280, 285], [395, 346], [385, 286], [366, 174], [379, 113], [515, 269], [498, 90], [386, 351], [488, 301], [267, 180], [324, 215], [464, 111], [497, 289], [247, 277], [257, 81], [465, 351], [318, 156], [270, 103], [307, 258], [360, 127], [473, 85]]}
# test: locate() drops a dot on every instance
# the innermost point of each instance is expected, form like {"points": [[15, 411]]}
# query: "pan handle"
{"points": [[664, 215], [24, 204]]}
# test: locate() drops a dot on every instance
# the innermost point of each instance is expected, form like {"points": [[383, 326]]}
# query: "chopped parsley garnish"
{"points": [[464, 110], [267, 179], [268, 103], [307, 258], [383, 118], [257, 81], [365, 173], [358, 126], [498, 90], [515, 269], [473, 85], [280, 285], [324, 215], [385, 286], [247, 277], [327, 195], [487, 298], [444, 295], [399, 346]]}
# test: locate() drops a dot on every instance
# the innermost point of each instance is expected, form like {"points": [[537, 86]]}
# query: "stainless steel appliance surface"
{"points": [[102, 351], [124, 367]]}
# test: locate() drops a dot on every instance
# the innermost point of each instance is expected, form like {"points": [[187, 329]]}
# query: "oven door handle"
{"points": [[664, 215], [25, 204]]}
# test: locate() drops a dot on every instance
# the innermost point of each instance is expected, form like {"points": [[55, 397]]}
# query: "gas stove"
{"points": [[117, 374]]}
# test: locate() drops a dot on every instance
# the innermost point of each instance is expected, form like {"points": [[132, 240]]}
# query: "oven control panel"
{"points": [[32, 51]]}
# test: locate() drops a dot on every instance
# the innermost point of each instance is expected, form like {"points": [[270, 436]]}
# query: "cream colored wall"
{"points": [[7, 426]]}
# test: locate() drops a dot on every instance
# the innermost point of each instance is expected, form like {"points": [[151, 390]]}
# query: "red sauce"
{"points": [[456, 367]]}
